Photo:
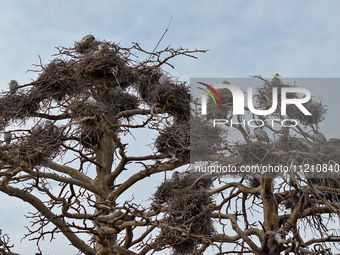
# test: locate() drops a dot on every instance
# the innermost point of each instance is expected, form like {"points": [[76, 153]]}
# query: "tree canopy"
{"points": [[67, 152]]}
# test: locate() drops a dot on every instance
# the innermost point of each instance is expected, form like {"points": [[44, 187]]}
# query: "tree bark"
{"points": [[104, 157]]}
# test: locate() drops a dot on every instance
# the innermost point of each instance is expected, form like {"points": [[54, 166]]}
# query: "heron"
{"points": [[319, 137], [88, 38], [175, 176], [118, 90], [261, 135], [163, 79], [13, 86], [101, 48], [8, 137], [276, 80]]}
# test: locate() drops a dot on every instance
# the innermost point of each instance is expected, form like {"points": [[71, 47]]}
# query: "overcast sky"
{"points": [[249, 37]]}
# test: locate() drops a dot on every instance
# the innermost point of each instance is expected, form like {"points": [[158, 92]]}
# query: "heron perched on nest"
{"points": [[261, 135], [88, 38], [8, 137], [163, 79], [13, 86], [276, 80], [175, 176], [319, 137]]}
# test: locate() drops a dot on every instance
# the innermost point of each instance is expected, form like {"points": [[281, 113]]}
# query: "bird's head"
{"points": [[11, 82], [277, 76], [102, 46], [88, 38]]}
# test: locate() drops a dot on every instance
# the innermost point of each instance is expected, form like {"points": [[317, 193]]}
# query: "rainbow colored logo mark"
{"points": [[209, 93]]}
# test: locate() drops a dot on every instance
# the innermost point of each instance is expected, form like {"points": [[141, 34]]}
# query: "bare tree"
{"points": [[70, 122]]}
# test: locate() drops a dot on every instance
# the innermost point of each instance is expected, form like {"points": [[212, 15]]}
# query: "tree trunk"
{"points": [[104, 157]]}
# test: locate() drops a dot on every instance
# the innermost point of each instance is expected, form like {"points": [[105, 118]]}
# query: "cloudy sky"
{"points": [[249, 37]]}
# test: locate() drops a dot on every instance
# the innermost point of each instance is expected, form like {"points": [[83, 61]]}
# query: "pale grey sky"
{"points": [[293, 38]]}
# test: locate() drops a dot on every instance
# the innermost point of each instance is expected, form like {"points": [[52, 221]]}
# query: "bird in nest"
{"points": [[102, 48], [276, 80], [175, 176], [319, 137], [13, 86], [88, 38]]}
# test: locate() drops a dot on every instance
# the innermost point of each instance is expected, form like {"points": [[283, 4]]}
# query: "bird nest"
{"points": [[317, 109], [175, 140], [188, 217], [91, 113], [122, 102], [16, 106], [57, 80], [324, 153], [172, 98], [288, 143], [41, 145], [86, 47], [109, 67]]}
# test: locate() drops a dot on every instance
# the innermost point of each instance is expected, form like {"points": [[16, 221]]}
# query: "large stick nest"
{"points": [[108, 66], [175, 140], [57, 80], [173, 98], [187, 210], [90, 113], [17, 106], [41, 145]]}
